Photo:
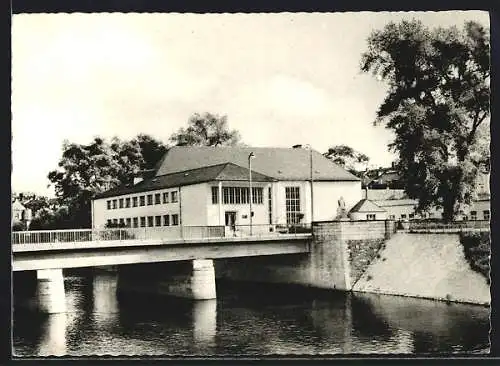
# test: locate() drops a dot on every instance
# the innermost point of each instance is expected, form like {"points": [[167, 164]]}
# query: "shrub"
{"points": [[477, 247]]}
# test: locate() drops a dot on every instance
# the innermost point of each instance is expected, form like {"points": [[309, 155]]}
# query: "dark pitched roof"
{"points": [[366, 206], [219, 172], [278, 163]]}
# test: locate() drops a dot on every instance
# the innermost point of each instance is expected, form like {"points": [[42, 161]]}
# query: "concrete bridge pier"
{"points": [[50, 291], [193, 279]]}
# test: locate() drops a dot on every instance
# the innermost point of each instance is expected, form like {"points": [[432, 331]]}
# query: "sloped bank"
{"points": [[427, 266]]}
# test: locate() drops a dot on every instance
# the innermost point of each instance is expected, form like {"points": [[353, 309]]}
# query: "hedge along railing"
{"points": [[451, 226]]}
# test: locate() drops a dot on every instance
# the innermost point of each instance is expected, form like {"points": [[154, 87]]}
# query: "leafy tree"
{"points": [[206, 130], [348, 158], [438, 98], [85, 170]]}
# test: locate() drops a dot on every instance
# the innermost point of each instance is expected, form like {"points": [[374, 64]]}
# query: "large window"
{"points": [[174, 196], [120, 203], [157, 220], [150, 221], [134, 201], [175, 219], [473, 215], [241, 195], [143, 221], [157, 198], [109, 204], [128, 221], [292, 202], [127, 202], [166, 220], [150, 199], [135, 221], [486, 214], [215, 195], [115, 202], [142, 201], [165, 197]]}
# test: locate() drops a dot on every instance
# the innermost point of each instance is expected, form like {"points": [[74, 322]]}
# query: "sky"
{"points": [[281, 79]]}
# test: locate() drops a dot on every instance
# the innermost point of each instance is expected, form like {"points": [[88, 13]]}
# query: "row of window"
{"points": [[145, 221], [238, 195], [149, 199]]}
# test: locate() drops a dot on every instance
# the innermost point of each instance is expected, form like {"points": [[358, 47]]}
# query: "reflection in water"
{"points": [[246, 320], [205, 321], [53, 340]]}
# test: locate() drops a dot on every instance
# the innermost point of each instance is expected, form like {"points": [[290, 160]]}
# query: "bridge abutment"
{"points": [[50, 291], [339, 253], [193, 279]]}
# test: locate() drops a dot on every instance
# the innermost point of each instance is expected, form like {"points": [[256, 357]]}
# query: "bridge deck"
{"points": [[51, 246]]}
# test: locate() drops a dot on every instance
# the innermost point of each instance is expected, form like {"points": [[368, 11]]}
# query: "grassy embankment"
{"points": [[477, 252]]}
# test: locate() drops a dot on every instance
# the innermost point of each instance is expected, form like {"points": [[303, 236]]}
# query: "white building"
{"points": [[209, 186]]}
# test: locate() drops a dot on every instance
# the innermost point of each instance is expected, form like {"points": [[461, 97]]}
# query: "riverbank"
{"points": [[430, 266]]}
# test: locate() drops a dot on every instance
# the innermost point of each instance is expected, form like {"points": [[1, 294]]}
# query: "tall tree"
{"points": [[438, 97], [348, 158], [85, 170], [206, 130]]}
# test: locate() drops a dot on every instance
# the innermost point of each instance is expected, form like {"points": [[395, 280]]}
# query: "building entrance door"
{"points": [[230, 218]]}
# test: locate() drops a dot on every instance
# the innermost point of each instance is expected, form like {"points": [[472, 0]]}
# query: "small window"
{"points": [[410, 216], [134, 201], [473, 215], [109, 204], [142, 200], [165, 197], [127, 202], [166, 220], [120, 203], [175, 219], [392, 217], [128, 222], [157, 220], [403, 216], [115, 204], [157, 198], [110, 222], [173, 196], [486, 214], [115, 222], [122, 222], [143, 221], [135, 221], [370, 217], [150, 199], [150, 221], [215, 195]]}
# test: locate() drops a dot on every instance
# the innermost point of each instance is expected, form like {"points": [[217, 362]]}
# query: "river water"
{"points": [[245, 320]]}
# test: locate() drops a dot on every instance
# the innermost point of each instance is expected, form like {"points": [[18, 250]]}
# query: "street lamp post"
{"points": [[250, 157], [311, 180]]}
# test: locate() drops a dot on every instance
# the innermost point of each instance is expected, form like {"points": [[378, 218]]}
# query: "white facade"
{"points": [[197, 206]]}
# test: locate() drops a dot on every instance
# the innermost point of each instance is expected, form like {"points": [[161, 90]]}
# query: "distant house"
{"points": [[209, 186], [385, 189], [367, 210], [20, 214]]}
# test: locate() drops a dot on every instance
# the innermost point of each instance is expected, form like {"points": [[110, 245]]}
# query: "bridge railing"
{"points": [[154, 233]]}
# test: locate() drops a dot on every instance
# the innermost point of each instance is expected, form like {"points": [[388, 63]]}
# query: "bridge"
{"points": [[182, 261], [190, 250], [38, 250]]}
